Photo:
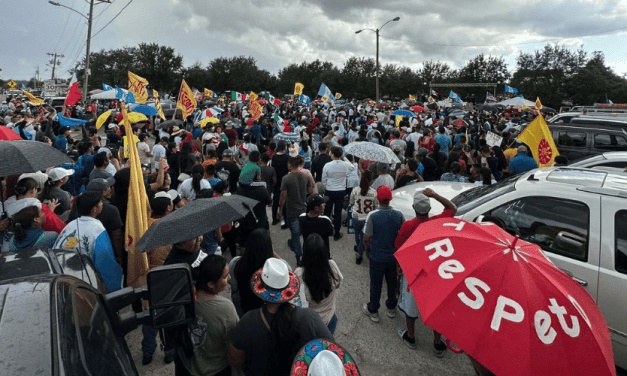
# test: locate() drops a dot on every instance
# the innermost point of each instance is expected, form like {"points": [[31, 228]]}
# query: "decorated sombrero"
{"points": [[322, 357], [275, 283]]}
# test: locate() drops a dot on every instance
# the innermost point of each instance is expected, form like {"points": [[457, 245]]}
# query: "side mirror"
{"points": [[171, 295]]}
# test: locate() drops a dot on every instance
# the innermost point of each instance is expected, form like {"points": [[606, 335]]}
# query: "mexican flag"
{"points": [[238, 96], [279, 121], [272, 100]]}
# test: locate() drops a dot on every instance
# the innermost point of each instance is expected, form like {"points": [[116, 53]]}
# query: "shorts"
{"points": [[406, 302]]}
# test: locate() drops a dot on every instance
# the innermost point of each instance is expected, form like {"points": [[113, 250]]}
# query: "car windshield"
{"points": [[468, 200]]}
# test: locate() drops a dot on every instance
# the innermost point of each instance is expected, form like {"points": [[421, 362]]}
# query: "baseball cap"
{"points": [[100, 184], [227, 153], [521, 149], [39, 177], [421, 204], [384, 194], [107, 151], [315, 200], [112, 125], [383, 166], [59, 173], [171, 194]]}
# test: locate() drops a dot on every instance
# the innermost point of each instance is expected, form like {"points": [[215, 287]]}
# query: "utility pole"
{"points": [[91, 11], [54, 61]]}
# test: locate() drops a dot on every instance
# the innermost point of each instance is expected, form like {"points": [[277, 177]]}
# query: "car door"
{"points": [[572, 143], [566, 228], [613, 273]]}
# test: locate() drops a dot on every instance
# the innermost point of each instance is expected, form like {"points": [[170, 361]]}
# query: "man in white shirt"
{"points": [[384, 178], [158, 152], [334, 175], [143, 150]]}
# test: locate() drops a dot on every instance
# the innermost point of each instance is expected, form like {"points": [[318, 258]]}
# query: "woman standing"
{"points": [[218, 313], [363, 200], [426, 141], [319, 278], [190, 187], [26, 227]]}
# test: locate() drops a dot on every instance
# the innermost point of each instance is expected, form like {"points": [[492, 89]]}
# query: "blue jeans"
{"points": [[149, 342], [332, 324], [378, 270], [292, 222], [359, 235], [335, 203]]}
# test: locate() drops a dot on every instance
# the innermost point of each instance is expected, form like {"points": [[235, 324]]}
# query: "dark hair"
{"points": [[282, 145], [293, 161], [323, 146], [486, 175], [412, 164], [142, 137], [23, 220], [221, 186], [254, 156], [204, 193], [364, 182], [337, 151], [318, 275], [197, 174], [272, 146], [265, 157], [456, 167], [100, 160], [25, 185], [87, 201], [186, 148], [453, 157], [258, 250], [83, 147], [159, 206], [498, 153], [210, 169], [409, 151], [210, 270]]}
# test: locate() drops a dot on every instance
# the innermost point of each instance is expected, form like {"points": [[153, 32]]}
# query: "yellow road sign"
{"points": [[12, 84]]}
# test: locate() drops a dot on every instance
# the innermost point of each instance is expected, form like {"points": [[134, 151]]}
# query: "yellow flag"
{"points": [[412, 98], [538, 104], [252, 97], [33, 99], [155, 95], [187, 101], [538, 137], [208, 93], [338, 95], [255, 109], [431, 100], [398, 121], [138, 211], [137, 85], [298, 88]]}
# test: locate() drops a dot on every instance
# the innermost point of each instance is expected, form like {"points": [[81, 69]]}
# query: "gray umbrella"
{"points": [[170, 123], [194, 219], [22, 156], [371, 152]]}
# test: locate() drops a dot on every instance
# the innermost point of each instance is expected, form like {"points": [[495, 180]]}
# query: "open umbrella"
{"points": [[146, 110], [502, 301], [7, 133], [417, 108], [194, 219], [262, 101], [211, 120], [371, 152], [403, 113], [102, 118], [19, 157], [381, 105], [134, 117], [170, 123]]}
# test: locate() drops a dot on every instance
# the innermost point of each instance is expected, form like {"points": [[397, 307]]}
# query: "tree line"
{"points": [[554, 74]]}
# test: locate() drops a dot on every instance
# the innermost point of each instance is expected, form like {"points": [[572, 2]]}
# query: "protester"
{"points": [[313, 222], [57, 178], [363, 200], [334, 178], [522, 162], [26, 226]]}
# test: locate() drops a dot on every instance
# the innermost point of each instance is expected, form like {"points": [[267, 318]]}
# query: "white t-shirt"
{"points": [[187, 191], [142, 149]]}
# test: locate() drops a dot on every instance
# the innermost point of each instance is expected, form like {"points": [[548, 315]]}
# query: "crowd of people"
{"points": [[303, 179]]}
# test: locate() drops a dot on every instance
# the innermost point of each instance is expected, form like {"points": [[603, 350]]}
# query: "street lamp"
{"points": [[377, 32], [89, 22]]}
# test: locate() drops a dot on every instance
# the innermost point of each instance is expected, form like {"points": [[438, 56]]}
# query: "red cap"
{"points": [[384, 193]]}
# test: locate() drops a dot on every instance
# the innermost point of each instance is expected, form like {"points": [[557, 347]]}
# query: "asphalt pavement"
{"points": [[376, 347]]}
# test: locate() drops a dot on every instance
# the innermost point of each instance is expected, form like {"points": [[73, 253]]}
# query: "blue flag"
{"points": [[304, 99], [509, 89], [127, 96], [23, 86], [325, 92], [106, 87], [69, 122]]}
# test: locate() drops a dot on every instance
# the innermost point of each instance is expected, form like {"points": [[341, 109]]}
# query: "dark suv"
{"points": [[55, 319]]}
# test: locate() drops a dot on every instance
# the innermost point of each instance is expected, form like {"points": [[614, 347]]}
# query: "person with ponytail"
{"points": [[26, 226], [188, 189], [26, 193], [266, 340], [363, 200]]}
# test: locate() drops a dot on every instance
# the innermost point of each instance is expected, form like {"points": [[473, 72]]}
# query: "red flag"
{"points": [[73, 94]]}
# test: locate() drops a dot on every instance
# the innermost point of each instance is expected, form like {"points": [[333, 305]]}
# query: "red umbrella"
{"points": [[503, 302], [459, 123], [262, 101], [383, 104], [416, 108], [8, 134]]}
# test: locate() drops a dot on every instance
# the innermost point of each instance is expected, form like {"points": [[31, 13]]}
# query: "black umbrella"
{"points": [[194, 219], [432, 106], [19, 157], [490, 107], [170, 123]]}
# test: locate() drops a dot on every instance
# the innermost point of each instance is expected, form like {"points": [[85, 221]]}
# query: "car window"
{"points": [[472, 198], [620, 254], [101, 351], [607, 141], [613, 164], [572, 139], [557, 225]]}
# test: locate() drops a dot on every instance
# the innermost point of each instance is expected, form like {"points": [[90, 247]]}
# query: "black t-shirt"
{"points": [[320, 225], [279, 162], [260, 194], [404, 180], [267, 173], [429, 172], [113, 138], [173, 163], [226, 170], [318, 164], [109, 217]]}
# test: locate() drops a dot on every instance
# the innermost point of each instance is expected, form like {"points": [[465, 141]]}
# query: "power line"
{"points": [[74, 33], [64, 27], [116, 16], [503, 44]]}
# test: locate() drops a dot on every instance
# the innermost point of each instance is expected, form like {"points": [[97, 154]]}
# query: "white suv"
{"points": [[579, 217]]}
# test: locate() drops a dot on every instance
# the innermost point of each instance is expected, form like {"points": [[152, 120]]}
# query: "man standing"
{"points": [[101, 162], [407, 304], [279, 163], [313, 222], [522, 162], [320, 161], [158, 152], [294, 189], [383, 178], [334, 175], [382, 227], [88, 236], [409, 174], [444, 140], [226, 169]]}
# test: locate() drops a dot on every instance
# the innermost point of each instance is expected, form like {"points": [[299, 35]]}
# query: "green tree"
{"points": [[197, 76], [358, 78], [240, 74], [160, 65], [483, 69], [596, 82]]}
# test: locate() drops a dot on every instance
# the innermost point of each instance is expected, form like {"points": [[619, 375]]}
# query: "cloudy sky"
{"points": [[280, 32]]}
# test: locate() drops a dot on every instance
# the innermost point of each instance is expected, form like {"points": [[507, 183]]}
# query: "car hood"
{"points": [[403, 198]]}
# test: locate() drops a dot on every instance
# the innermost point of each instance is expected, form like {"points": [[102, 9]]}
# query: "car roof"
{"points": [[589, 179], [403, 198], [25, 326]]}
